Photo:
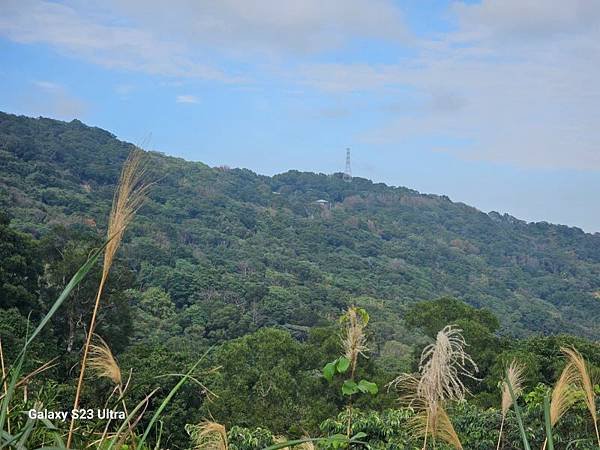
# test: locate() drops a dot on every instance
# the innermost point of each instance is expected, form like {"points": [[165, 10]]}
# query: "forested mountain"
{"points": [[262, 286], [236, 251]]}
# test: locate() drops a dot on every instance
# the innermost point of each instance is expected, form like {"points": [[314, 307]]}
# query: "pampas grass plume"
{"points": [[208, 435], [103, 363]]}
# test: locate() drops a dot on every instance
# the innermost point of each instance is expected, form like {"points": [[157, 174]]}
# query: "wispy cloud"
{"points": [[186, 99], [177, 39], [111, 45], [47, 98], [516, 82], [272, 27], [527, 19], [47, 86], [124, 89]]}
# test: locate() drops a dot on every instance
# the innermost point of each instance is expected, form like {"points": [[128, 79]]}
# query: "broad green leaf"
{"points": [[349, 387], [358, 435], [329, 371], [337, 441], [367, 387], [342, 364]]}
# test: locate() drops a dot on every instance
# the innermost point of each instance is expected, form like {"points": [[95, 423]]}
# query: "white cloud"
{"points": [[53, 100], [344, 78], [269, 26], [186, 99], [516, 81], [99, 41], [498, 95], [528, 18], [187, 38], [47, 85]]}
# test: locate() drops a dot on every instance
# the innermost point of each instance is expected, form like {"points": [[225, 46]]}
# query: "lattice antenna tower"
{"points": [[348, 172]]}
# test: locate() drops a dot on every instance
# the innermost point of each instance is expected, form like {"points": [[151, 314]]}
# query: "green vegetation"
{"points": [[260, 252], [239, 314]]}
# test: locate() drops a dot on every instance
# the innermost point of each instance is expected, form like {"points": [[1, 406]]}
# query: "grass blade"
{"points": [[4, 406], [165, 402], [29, 425], [79, 275], [549, 440], [342, 439], [295, 442], [55, 432], [131, 415], [168, 398], [526, 445]]}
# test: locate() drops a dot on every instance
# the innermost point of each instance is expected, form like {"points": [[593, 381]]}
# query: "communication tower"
{"points": [[348, 172]]}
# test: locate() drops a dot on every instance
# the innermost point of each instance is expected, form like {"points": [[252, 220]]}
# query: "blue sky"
{"points": [[493, 103]]}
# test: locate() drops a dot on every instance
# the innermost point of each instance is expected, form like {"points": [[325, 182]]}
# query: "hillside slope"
{"points": [[257, 250]]}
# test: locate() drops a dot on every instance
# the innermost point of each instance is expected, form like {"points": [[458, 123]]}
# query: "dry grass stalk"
{"points": [[564, 394], [585, 382], [5, 384], [442, 365], [208, 435], [103, 363], [306, 446], [27, 378], [129, 197], [445, 429], [354, 343], [514, 377], [354, 340], [280, 440], [434, 422]]}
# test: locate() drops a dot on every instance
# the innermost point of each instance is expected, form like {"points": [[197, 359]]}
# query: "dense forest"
{"points": [[254, 284]]}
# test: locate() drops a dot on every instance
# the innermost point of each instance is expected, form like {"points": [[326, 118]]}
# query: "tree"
{"points": [[264, 379], [155, 316], [432, 316], [65, 250], [20, 269]]}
